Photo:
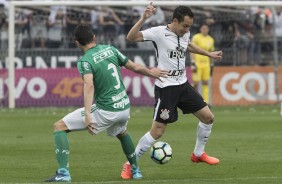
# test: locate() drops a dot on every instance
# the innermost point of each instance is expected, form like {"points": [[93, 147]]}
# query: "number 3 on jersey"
{"points": [[114, 74]]}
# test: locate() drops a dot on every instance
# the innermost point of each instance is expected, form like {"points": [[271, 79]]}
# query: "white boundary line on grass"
{"points": [[164, 181]]}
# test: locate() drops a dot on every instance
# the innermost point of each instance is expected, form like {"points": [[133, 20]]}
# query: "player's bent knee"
{"points": [[122, 134], [60, 126], [210, 119]]}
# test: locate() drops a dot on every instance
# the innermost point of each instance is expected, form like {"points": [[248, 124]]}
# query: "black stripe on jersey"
{"points": [[156, 47]]}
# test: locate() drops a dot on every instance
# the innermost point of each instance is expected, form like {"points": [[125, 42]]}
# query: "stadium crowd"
{"points": [[243, 33]]}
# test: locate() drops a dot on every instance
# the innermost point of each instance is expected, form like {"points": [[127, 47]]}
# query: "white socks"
{"points": [[144, 144], [203, 133]]}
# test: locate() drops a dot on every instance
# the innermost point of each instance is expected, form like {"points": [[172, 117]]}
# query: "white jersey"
{"points": [[170, 52]]}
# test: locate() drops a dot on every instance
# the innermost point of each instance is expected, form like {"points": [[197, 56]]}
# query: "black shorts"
{"points": [[168, 99]]}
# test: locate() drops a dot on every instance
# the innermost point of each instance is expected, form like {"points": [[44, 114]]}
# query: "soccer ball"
{"points": [[161, 152]]}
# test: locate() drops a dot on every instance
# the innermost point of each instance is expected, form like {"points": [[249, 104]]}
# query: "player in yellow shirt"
{"points": [[201, 65]]}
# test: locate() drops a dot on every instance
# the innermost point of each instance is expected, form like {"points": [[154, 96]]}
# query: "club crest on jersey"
{"points": [[165, 114]]}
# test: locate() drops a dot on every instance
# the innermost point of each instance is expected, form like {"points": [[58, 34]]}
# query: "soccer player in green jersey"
{"points": [[100, 69]]}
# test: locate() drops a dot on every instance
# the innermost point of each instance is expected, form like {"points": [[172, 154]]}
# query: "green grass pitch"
{"points": [[247, 140]]}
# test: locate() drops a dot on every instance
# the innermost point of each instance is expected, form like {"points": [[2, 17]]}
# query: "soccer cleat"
{"points": [[136, 173], [126, 171], [62, 175], [204, 158]]}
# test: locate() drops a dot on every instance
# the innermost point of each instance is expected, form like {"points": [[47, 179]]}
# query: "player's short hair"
{"points": [[181, 11], [83, 34]]}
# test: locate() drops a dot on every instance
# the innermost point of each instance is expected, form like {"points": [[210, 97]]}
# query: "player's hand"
{"points": [[158, 73], [90, 126], [217, 55], [149, 11]]}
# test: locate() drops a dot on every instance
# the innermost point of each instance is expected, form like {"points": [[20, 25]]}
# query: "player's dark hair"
{"points": [[181, 11], [83, 34]]}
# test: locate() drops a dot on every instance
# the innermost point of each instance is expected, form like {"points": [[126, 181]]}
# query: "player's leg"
{"points": [[143, 145], [129, 151], [192, 102], [72, 121], [204, 128], [115, 123], [62, 153], [205, 83], [165, 112], [156, 131]]}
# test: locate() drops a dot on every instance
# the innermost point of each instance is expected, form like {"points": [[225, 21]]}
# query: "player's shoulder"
{"points": [[82, 58], [157, 28]]}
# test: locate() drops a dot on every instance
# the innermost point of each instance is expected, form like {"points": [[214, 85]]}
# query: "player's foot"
{"points": [[62, 175], [126, 171], [136, 173], [204, 158]]}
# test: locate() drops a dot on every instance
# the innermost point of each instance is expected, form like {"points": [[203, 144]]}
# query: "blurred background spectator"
{"points": [[243, 33], [4, 24], [56, 25], [277, 20], [111, 25]]}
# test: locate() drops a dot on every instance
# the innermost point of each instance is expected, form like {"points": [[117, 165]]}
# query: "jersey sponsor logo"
{"points": [[102, 55], [174, 54], [122, 103], [165, 114], [175, 73], [119, 96], [178, 53]]}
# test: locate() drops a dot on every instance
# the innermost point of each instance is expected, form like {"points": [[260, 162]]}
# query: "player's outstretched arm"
{"points": [[197, 50], [134, 34], [153, 72]]}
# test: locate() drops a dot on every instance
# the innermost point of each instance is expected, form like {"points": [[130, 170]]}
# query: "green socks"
{"points": [[62, 149], [129, 150]]}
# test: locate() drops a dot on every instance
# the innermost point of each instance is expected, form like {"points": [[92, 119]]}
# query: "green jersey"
{"points": [[104, 62]]}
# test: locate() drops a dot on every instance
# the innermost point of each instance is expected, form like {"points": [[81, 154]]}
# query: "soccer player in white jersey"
{"points": [[171, 42], [100, 70]]}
